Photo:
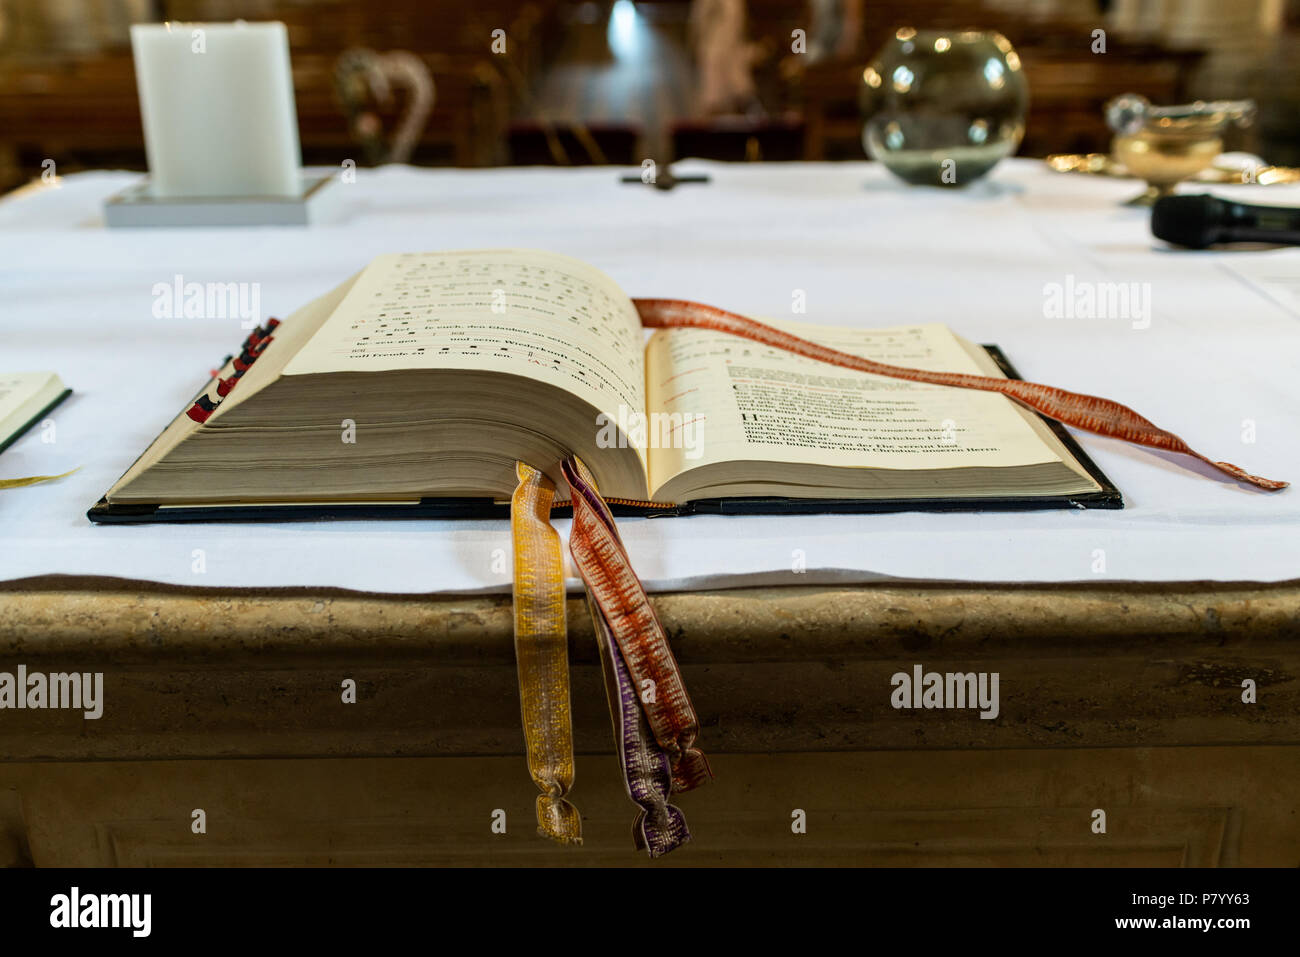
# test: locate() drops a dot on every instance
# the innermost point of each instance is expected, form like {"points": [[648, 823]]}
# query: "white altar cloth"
{"points": [[1218, 363]]}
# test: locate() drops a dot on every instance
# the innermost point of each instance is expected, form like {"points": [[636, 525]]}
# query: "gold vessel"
{"points": [[1165, 145]]}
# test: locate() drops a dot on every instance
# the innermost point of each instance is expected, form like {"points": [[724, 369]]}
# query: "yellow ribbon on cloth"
{"points": [[542, 654], [34, 479]]}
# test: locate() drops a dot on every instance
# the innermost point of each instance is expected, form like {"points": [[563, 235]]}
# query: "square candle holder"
{"points": [[136, 206]]}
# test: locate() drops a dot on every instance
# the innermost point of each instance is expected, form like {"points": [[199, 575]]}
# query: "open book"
{"points": [[426, 376]]}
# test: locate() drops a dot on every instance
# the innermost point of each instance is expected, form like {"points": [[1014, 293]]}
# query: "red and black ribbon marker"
{"points": [[201, 409], [253, 347]]}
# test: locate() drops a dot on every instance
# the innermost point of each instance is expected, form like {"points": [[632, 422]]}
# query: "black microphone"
{"points": [[1202, 220]]}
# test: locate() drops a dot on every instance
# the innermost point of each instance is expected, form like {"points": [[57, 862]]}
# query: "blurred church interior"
{"points": [[521, 82]]}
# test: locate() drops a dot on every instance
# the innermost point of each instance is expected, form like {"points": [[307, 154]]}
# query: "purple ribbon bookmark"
{"points": [[647, 771]]}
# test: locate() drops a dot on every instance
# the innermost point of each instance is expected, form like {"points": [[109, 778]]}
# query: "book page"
{"points": [[738, 400], [521, 312]]}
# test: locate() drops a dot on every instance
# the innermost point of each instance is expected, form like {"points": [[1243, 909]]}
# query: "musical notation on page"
{"points": [[531, 314]]}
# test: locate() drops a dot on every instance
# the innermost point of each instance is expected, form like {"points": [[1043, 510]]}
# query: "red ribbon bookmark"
{"points": [[618, 594], [1087, 412]]}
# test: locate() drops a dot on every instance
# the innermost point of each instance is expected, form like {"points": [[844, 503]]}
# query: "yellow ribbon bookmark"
{"points": [[34, 479], [542, 654]]}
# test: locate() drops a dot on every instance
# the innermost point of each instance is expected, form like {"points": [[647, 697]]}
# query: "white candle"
{"points": [[218, 109]]}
